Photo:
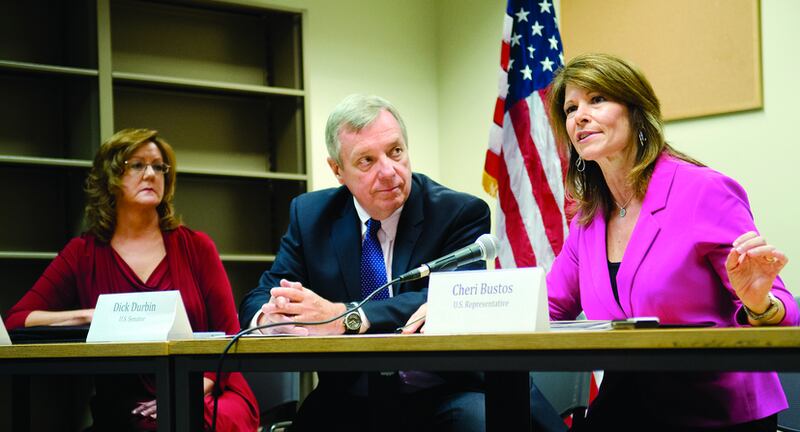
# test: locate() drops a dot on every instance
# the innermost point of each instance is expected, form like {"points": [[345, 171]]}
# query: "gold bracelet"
{"points": [[768, 314]]}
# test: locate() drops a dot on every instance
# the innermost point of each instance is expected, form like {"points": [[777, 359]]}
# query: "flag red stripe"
{"points": [[505, 54], [548, 207], [492, 164], [515, 229], [499, 111]]}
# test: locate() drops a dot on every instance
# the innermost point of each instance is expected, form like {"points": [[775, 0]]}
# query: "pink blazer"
{"points": [[674, 268]]}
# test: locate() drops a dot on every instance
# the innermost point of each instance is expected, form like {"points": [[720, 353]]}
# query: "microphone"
{"points": [[484, 248]]}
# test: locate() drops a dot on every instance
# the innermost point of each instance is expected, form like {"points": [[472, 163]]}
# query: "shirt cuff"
{"points": [[254, 321], [364, 321]]}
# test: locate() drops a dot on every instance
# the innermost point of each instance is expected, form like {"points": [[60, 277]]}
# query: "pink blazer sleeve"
{"points": [[562, 281], [720, 215]]}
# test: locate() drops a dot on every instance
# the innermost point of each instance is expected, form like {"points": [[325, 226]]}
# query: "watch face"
{"points": [[352, 321]]}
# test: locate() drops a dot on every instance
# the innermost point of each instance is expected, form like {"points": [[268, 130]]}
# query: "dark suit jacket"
{"points": [[322, 248]]}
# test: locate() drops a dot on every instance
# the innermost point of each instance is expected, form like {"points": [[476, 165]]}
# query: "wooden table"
{"points": [[90, 359], [505, 358]]}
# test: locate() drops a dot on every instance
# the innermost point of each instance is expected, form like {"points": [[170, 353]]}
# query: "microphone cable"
{"points": [[488, 250], [216, 390]]}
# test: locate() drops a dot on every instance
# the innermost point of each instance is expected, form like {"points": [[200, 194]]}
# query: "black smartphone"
{"points": [[635, 323]]}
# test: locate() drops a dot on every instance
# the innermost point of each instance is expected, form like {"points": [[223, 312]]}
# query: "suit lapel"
{"points": [[646, 230], [346, 238], [409, 229]]}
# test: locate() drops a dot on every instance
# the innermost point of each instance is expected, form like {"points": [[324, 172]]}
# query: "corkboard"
{"points": [[703, 57]]}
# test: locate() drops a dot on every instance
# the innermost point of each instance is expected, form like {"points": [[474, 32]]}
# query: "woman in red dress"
{"points": [[135, 243]]}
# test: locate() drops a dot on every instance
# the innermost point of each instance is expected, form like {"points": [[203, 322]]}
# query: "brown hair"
{"points": [[622, 82], [103, 182]]}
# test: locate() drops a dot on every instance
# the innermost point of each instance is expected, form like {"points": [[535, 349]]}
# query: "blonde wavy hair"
{"points": [[105, 178], [621, 82]]}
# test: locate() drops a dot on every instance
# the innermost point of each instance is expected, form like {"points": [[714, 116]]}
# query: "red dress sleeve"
{"points": [[56, 288], [215, 287]]}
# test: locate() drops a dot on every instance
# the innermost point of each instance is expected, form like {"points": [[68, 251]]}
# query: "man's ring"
{"points": [[772, 260]]}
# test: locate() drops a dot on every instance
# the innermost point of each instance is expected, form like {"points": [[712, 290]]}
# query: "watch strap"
{"points": [[352, 311]]}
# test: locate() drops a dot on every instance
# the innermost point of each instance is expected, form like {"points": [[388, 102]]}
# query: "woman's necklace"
{"points": [[622, 211]]}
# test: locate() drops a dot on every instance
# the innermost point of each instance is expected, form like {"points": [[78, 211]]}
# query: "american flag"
{"points": [[524, 169]]}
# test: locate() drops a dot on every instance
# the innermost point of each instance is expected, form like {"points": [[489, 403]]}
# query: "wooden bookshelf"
{"points": [[223, 83]]}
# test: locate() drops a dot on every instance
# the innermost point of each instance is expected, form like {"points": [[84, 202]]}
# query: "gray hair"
{"points": [[356, 112]]}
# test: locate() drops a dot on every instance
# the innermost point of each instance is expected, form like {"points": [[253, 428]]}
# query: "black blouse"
{"points": [[613, 269]]}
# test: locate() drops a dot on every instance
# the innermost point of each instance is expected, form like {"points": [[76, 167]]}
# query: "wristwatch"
{"points": [[352, 321], [767, 314]]}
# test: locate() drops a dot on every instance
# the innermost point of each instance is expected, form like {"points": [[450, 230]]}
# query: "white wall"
{"points": [[469, 35]]}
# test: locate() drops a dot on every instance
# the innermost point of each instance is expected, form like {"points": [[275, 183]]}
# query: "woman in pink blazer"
{"points": [[656, 233]]}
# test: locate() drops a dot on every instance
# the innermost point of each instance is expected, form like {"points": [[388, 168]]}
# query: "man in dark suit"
{"points": [[343, 242]]}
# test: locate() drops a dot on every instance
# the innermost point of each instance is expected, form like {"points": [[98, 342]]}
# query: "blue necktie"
{"points": [[373, 268]]}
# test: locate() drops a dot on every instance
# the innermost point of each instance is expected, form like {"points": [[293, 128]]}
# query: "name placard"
{"points": [[4, 339], [487, 301], [140, 317]]}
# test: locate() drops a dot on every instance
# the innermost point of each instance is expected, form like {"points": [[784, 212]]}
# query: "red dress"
{"points": [[87, 268]]}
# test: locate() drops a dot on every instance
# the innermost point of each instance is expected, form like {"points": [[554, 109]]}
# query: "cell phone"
{"points": [[635, 323], [208, 335]]}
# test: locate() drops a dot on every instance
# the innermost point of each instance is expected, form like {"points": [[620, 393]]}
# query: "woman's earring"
{"points": [[580, 164], [642, 138]]}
